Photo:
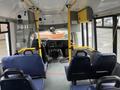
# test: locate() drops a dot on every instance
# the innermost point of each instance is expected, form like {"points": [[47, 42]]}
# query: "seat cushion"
{"points": [[38, 84], [82, 87]]}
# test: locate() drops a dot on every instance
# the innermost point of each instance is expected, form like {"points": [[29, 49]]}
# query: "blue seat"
{"points": [[83, 67], [14, 79], [104, 83], [82, 87], [79, 68], [108, 83], [92, 87], [38, 84], [30, 64], [103, 64]]}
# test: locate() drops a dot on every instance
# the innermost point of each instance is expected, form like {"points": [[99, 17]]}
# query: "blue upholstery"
{"points": [[17, 84], [103, 64], [78, 63], [30, 64], [82, 87], [82, 67], [14, 79], [78, 69], [91, 87], [38, 83]]}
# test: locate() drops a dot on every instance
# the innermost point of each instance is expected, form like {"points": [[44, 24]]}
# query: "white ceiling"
{"points": [[56, 8], [11, 8], [54, 19], [98, 6], [50, 6]]}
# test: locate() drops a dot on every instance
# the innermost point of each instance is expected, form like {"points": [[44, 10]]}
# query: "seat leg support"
{"points": [[74, 82]]}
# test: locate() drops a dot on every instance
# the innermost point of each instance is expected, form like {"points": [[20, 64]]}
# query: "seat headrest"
{"points": [[81, 53], [104, 58]]}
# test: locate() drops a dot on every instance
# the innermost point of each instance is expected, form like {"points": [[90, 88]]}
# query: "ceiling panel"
{"points": [[50, 5], [11, 8], [54, 19], [98, 5], [80, 4], [107, 4]]}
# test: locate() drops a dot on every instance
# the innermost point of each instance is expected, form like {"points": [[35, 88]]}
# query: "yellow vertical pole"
{"points": [[69, 33], [37, 15]]}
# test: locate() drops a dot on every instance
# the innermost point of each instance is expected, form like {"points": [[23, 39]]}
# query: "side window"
{"points": [[3, 27], [108, 21], [99, 22]]}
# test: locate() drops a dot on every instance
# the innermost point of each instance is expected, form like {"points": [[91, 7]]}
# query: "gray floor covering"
{"points": [[56, 79]]}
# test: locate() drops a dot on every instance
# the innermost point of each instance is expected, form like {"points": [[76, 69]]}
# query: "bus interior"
{"points": [[59, 45]]}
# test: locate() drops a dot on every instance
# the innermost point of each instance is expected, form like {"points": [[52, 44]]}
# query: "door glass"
{"points": [[84, 30], [99, 22], [4, 27], [104, 40], [90, 36], [108, 21], [4, 45], [118, 45], [118, 41]]}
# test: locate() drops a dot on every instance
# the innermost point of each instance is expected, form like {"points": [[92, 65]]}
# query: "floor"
{"points": [[56, 79]]}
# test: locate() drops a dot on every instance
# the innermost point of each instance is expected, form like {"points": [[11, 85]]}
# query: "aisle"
{"points": [[56, 79]]}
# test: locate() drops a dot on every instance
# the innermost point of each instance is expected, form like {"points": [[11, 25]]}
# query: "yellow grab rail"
{"points": [[69, 30], [24, 49], [69, 34], [37, 15], [82, 47]]}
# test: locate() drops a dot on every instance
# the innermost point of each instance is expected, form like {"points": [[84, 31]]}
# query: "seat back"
{"points": [[80, 64], [104, 63], [30, 64], [16, 82]]}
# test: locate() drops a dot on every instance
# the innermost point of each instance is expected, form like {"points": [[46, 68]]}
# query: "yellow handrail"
{"points": [[23, 49], [69, 30], [69, 34], [82, 47], [37, 15]]}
